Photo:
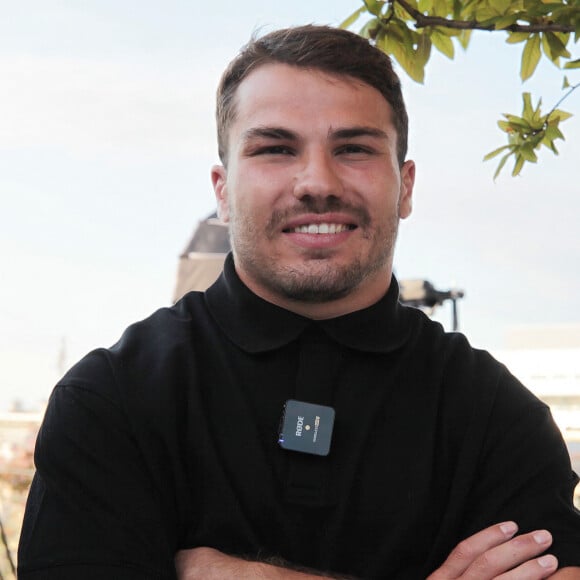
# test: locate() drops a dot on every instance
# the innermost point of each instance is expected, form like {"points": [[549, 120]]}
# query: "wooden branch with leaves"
{"points": [[509, 23], [407, 30]]}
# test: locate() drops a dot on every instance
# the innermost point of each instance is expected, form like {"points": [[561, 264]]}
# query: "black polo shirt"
{"points": [[168, 440]]}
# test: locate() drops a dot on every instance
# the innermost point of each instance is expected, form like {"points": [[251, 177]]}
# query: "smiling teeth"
{"points": [[321, 229]]}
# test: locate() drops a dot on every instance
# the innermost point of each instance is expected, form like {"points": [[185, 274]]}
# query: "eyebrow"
{"points": [[269, 133], [353, 132], [285, 134]]}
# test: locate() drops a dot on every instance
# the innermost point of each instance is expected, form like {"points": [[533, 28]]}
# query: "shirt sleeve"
{"points": [[93, 510], [525, 473]]}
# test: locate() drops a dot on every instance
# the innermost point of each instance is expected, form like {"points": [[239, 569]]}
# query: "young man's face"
{"points": [[313, 191]]}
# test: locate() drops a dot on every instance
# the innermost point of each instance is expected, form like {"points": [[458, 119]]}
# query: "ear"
{"points": [[406, 192], [219, 181]]}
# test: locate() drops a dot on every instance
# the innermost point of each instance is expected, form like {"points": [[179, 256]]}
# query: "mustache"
{"points": [[317, 205]]}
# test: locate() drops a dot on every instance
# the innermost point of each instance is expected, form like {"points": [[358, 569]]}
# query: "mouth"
{"points": [[320, 228]]}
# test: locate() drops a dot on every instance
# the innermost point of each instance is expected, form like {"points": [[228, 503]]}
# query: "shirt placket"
{"points": [[309, 476]]}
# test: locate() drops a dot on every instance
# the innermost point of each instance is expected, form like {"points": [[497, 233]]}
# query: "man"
{"points": [[176, 451]]}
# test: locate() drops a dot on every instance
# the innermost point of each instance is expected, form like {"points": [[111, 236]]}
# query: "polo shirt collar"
{"points": [[256, 325]]}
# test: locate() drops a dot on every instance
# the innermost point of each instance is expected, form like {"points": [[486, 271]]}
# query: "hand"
{"points": [[209, 564], [495, 552]]}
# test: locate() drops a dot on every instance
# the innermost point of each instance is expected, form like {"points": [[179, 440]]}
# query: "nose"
{"points": [[317, 177]]}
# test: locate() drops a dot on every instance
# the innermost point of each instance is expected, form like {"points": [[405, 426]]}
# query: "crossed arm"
{"points": [[492, 553]]}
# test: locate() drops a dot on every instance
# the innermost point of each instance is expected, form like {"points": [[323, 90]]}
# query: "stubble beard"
{"points": [[317, 278]]}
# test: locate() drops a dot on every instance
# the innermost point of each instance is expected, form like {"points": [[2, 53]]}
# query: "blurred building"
{"points": [[546, 359]]}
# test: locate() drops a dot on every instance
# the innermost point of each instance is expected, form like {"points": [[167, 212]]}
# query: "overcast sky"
{"points": [[107, 136]]}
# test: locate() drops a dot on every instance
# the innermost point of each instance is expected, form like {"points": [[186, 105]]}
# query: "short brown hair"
{"points": [[323, 48]]}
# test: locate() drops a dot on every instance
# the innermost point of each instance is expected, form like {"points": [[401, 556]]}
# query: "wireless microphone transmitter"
{"points": [[306, 427]]}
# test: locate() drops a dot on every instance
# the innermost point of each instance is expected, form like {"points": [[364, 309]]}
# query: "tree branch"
{"points": [[422, 21], [572, 89]]}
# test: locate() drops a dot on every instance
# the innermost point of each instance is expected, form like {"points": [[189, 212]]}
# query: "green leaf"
{"points": [[498, 5], [399, 11], [553, 133], [527, 152], [423, 52], [464, 38], [387, 40], [518, 165], [532, 117], [414, 72], [443, 43], [409, 36], [517, 37], [530, 57], [505, 126], [440, 8], [548, 50], [517, 123], [559, 115], [425, 5], [352, 18], [536, 139], [410, 64], [550, 145], [565, 83], [484, 12], [369, 30], [496, 152], [573, 64], [395, 41], [506, 21], [501, 164], [557, 48], [528, 111], [374, 6], [469, 7]]}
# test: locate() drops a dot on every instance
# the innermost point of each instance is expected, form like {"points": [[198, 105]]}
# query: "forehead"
{"points": [[281, 94]]}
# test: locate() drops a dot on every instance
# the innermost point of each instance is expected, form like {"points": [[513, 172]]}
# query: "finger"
{"points": [[509, 555], [533, 570], [467, 551]]}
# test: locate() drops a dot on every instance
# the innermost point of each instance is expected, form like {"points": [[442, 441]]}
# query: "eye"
{"points": [[274, 150], [354, 149]]}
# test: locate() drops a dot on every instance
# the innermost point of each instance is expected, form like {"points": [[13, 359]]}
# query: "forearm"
{"points": [[209, 564]]}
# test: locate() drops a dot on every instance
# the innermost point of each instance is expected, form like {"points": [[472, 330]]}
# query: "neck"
{"points": [[361, 297]]}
